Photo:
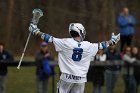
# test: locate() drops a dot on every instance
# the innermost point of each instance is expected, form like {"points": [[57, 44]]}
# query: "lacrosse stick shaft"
{"points": [[37, 13], [18, 67]]}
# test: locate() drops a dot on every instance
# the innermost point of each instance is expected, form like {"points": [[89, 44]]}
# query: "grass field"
{"points": [[24, 81]]}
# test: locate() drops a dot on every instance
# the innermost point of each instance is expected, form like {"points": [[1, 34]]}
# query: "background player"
{"points": [[74, 56]]}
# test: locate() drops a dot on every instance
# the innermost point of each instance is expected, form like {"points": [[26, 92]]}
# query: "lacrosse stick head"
{"points": [[37, 13]]}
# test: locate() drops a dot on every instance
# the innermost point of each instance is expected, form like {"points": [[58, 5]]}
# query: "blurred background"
{"points": [[98, 16]]}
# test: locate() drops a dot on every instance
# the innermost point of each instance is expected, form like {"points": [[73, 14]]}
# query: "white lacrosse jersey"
{"points": [[74, 57]]}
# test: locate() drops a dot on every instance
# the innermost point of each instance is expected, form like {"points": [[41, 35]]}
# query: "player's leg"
{"points": [[129, 40], [126, 82], [108, 79], [45, 85], [99, 89], [78, 88], [114, 79], [95, 89], [132, 84], [2, 84], [64, 87], [123, 41], [39, 86]]}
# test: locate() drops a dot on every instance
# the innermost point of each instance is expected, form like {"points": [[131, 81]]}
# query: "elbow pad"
{"points": [[47, 38]]}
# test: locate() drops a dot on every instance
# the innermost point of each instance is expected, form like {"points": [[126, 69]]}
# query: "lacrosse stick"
{"points": [[37, 13]]}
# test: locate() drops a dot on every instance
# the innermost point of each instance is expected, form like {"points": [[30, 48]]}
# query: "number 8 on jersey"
{"points": [[77, 54]]}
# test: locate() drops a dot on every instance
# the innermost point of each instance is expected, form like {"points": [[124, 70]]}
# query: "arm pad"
{"points": [[47, 38]]}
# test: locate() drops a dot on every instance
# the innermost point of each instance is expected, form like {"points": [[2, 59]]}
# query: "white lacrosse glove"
{"points": [[33, 29], [115, 38]]}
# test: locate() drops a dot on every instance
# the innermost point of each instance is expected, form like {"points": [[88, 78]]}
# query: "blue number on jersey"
{"points": [[77, 54]]}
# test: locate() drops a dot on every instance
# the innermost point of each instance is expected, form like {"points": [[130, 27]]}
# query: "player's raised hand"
{"points": [[33, 29], [115, 38]]}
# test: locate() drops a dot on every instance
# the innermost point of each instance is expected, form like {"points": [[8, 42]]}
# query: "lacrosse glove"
{"points": [[115, 38], [34, 29]]}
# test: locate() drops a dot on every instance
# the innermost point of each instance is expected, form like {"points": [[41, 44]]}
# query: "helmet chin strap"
{"points": [[81, 39], [82, 36]]}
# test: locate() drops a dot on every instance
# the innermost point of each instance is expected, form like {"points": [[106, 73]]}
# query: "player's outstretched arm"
{"points": [[36, 31], [114, 40]]}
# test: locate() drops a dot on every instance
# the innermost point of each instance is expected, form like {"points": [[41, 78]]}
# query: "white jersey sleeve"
{"points": [[58, 43], [94, 48]]}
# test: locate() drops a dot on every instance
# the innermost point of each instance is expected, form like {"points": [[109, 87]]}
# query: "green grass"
{"points": [[24, 81]]}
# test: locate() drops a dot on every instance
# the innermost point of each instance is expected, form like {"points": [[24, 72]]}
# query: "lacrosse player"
{"points": [[74, 56]]}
